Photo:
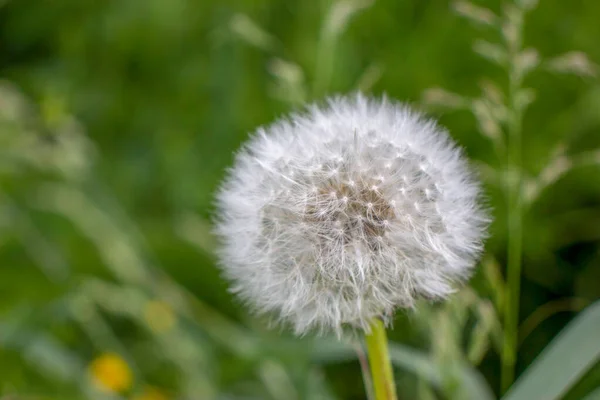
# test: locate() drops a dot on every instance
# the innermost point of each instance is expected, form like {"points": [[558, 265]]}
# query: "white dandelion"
{"points": [[347, 212]]}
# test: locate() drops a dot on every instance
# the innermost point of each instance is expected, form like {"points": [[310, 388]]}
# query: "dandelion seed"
{"points": [[387, 243]]}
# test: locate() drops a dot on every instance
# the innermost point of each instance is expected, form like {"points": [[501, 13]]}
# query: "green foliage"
{"points": [[117, 120]]}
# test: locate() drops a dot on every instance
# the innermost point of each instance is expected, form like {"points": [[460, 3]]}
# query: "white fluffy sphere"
{"points": [[347, 212]]}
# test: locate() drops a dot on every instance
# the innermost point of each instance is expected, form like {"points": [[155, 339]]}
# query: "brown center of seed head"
{"points": [[351, 212]]}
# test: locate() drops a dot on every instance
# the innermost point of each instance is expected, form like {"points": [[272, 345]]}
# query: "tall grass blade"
{"points": [[564, 361]]}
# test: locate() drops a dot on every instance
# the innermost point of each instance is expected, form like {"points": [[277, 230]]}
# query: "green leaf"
{"points": [[564, 361], [595, 395], [42, 351]]}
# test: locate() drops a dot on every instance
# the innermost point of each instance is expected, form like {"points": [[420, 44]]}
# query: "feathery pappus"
{"points": [[346, 212]]}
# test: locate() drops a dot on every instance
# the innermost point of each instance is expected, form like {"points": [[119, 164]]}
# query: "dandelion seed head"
{"points": [[399, 219]]}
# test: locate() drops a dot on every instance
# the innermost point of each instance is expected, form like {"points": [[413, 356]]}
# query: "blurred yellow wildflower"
{"points": [[159, 316], [110, 373], [150, 393]]}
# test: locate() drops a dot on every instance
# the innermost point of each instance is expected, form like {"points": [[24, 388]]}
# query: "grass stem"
{"points": [[515, 206]]}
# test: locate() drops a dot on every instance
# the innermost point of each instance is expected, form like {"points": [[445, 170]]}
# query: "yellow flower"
{"points": [[110, 373], [150, 393]]}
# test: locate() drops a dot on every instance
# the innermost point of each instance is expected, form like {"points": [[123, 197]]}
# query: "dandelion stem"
{"points": [[382, 375]]}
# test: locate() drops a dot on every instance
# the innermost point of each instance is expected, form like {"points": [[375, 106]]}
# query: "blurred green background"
{"points": [[119, 118]]}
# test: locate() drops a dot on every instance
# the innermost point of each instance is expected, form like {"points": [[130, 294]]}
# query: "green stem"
{"points": [[515, 215], [382, 375]]}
